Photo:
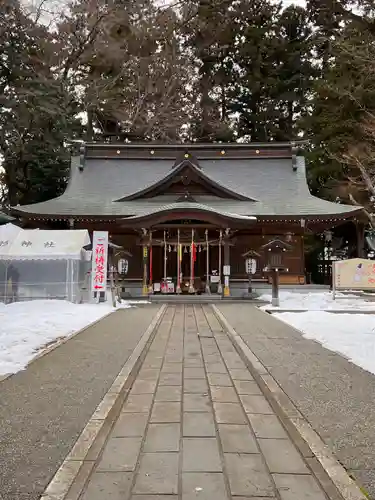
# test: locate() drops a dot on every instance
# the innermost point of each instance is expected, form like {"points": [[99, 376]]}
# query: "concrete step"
{"points": [[185, 299], [200, 299]]}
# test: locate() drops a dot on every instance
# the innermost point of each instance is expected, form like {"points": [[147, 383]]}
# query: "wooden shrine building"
{"points": [[185, 212]]}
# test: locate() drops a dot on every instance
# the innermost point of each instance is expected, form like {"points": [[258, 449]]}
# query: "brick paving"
{"points": [[196, 426]]}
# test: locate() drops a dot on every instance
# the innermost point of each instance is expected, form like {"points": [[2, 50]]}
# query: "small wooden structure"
{"points": [[275, 258]]}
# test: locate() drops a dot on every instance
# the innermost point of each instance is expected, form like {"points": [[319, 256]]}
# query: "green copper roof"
{"points": [[269, 187], [4, 218]]}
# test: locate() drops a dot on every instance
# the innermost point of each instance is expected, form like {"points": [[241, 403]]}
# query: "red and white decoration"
{"points": [[99, 261]]}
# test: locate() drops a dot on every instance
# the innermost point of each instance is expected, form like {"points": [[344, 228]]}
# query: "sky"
{"points": [[55, 4]]}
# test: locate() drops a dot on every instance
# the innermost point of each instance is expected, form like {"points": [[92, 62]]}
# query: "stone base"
{"points": [[275, 302]]}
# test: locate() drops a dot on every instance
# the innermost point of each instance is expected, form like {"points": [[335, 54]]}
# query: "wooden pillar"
{"points": [[220, 286], [179, 258], [303, 265], [360, 231], [150, 285], [303, 259], [208, 290], [165, 257], [226, 264], [145, 264], [192, 264]]}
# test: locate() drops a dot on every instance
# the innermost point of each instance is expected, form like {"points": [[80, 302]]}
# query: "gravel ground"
{"points": [[44, 409], [336, 397]]}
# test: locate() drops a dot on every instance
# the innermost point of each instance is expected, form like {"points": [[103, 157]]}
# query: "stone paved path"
{"points": [[44, 408], [196, 426], [335, 396]]}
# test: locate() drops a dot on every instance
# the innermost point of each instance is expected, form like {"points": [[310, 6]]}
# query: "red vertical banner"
{"points": [[179, 259], [194, 251], [192, 259], [99, 261], [150, 263]]}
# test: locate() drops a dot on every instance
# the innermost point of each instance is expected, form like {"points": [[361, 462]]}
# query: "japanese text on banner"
{"points": [[99, 261]]}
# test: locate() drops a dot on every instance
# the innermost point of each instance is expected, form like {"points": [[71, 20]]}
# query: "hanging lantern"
{"points": [[169, 248], [200, 248], [185, 250], [175, 248]]}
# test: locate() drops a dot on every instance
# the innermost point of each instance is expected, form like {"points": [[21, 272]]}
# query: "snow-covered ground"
{"points": [[352, 335], [26, 328], [319, 301]]}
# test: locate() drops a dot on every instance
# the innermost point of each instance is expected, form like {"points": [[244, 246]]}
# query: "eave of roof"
{"points": [[84, 212], [5, 218]]}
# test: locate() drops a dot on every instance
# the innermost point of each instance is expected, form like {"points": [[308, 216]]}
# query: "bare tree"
{"points": [[124, 64], [349, 100], [359, 158], [45, 12]]}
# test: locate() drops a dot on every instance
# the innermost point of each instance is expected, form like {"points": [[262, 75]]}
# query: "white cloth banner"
{"points": [[99, 261], [44, 244]]}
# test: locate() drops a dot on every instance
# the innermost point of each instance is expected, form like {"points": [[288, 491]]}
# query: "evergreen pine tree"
{"points": [[341, 123], [294, 73], [37, 115], [209, 37], [254, 69]]}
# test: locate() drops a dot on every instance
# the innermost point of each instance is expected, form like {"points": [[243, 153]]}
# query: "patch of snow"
{"points": [[27, 327], [318, 301], [352, 335]]}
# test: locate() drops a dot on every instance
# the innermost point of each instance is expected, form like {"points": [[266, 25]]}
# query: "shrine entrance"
{"points": [[185, 260], [186, 255]]}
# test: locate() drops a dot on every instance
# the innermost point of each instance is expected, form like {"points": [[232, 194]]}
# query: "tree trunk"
{"points": [[90, 125]]}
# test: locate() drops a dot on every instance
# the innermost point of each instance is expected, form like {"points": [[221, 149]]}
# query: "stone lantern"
{"points": [[274, 253]]}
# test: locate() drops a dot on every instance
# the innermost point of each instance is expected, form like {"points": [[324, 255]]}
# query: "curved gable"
{"points": [[186, 179], [192, 210]]}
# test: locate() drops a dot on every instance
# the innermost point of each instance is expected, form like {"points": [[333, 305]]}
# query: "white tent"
{"points": [[8, 232], [29, 244], [43, 263]]}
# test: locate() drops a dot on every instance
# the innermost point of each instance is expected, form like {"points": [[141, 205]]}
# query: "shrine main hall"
{"points": [[186, 217]]}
